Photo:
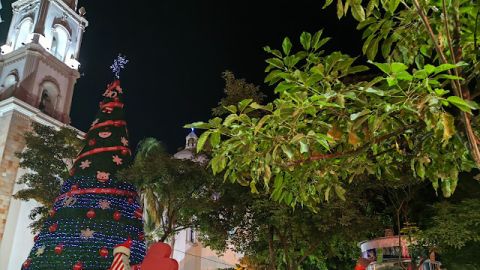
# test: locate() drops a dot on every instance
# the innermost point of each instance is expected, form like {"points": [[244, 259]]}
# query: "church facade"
{"points": [[38, 71]]}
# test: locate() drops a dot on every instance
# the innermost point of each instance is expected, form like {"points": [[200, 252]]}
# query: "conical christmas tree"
{"points": [[95, 211]]}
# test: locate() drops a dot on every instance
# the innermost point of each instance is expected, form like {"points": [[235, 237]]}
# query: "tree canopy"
{"points": [[323, 130]]}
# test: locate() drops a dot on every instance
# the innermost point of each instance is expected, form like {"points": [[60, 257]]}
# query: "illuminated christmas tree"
{"points": [[95, 211]]}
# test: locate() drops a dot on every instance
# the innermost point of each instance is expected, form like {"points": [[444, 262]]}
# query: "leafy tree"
{"points": [[173, 191], [47, 158], [275, 236], [235, 91], [321, 133]]}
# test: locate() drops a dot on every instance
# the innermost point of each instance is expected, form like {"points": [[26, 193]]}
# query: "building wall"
{"points": [[12, 127]]}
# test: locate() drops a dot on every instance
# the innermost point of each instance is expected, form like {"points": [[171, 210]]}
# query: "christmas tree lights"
{"points": [[94, 211]]}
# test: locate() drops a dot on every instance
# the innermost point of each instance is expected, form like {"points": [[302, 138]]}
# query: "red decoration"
{"points": [[74, 187], [27, 263], [78, 266], [125, 152], [58, 249], [101, 150], [139, 213], [52, 213], [72, 171], [91, 214], [109, 191], [130, 200], [115, 123], [53, 228], [159, 254], [117, 215], [111, 105], [103, 252], [92, 142], [141, 236], [35, 238]]}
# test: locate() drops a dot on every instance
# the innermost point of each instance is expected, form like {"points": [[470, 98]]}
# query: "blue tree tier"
{"points": [[95, 211]]}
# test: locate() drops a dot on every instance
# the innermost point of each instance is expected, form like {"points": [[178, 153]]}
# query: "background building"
{"points": [[38, 71], [187, 250]]}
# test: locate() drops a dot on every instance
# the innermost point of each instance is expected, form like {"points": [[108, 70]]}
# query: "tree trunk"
{"points": [[271, 248]]}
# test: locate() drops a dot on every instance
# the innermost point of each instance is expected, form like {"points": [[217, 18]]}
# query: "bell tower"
{"points": [[38, 70], [39, 62]]}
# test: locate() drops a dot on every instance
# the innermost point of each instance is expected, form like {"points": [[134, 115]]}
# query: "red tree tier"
{"points": [[95, 211]]}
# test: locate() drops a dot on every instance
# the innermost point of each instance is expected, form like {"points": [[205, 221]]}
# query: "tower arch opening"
{"points": [[48, 97], [60, 40], [25, 28]]}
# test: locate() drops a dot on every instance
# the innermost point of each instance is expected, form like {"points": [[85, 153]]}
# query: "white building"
{"points": [[38, 71], [191, 254]]}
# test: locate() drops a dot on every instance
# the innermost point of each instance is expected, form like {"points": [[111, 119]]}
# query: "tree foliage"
{"points": [[235, 91], [275, 236], [173, 191], [320, 133], [47, 158]]}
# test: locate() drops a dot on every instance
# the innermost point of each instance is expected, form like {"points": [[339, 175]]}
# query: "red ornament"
{"points": [[35, 238], [91, 214], [58, 249], [141, 236], [72, 171], [53, 228], [117, 215], [26, 264], [92, 142], [103, 252], [74, 187], [52, 213], [139, 213], [130, 200], [78, 266], [125, 152]]}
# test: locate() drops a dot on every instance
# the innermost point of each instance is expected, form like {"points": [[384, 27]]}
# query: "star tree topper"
{"points": [[118, 65]]}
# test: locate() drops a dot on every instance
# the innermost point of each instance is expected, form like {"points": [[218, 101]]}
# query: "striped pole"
{"points": [[121, 256]]}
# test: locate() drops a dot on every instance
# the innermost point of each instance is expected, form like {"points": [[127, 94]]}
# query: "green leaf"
{"points": [[340, 191], [444, 67], [316, 38], [275, 62], [397, 67], [339, 9], [231, 108], [288, 151], [303, 147], [358, 12], [377, 92], [201, 141], [305, 40], [393, 4], [327, 3], [261, 123], [284, 86], [243, 104], [215, 138], [355, 116], [366, 22], [461, 104], [382, 66], [429, 69], [286, 46], [218, 163], [373, 48]]}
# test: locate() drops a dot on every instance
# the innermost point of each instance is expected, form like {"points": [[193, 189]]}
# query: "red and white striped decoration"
{"points": [[121, 256]]}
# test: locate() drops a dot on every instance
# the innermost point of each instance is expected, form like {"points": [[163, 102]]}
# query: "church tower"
{"points": [[38, 71]]}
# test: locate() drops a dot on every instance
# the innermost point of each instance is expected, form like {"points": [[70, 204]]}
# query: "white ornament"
{"points": [[85, 164], [117, 160], [104, 204], [40, 251], [124, 141], [86, 234], [95, 122]]}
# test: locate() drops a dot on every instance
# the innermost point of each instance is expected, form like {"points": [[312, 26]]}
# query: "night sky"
{"points": [[178, 50]]}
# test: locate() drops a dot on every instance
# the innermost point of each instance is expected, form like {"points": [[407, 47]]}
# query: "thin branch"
{"points": [[395, 133]]}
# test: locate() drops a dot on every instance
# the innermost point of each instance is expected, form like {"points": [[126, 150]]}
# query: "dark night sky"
{"points": [[178, 50]]}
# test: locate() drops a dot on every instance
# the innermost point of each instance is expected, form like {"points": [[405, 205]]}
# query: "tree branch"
{"points": [[395, 133]]}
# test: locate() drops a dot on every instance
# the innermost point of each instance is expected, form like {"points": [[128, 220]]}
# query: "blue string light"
{"points": [[118, 64]]}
